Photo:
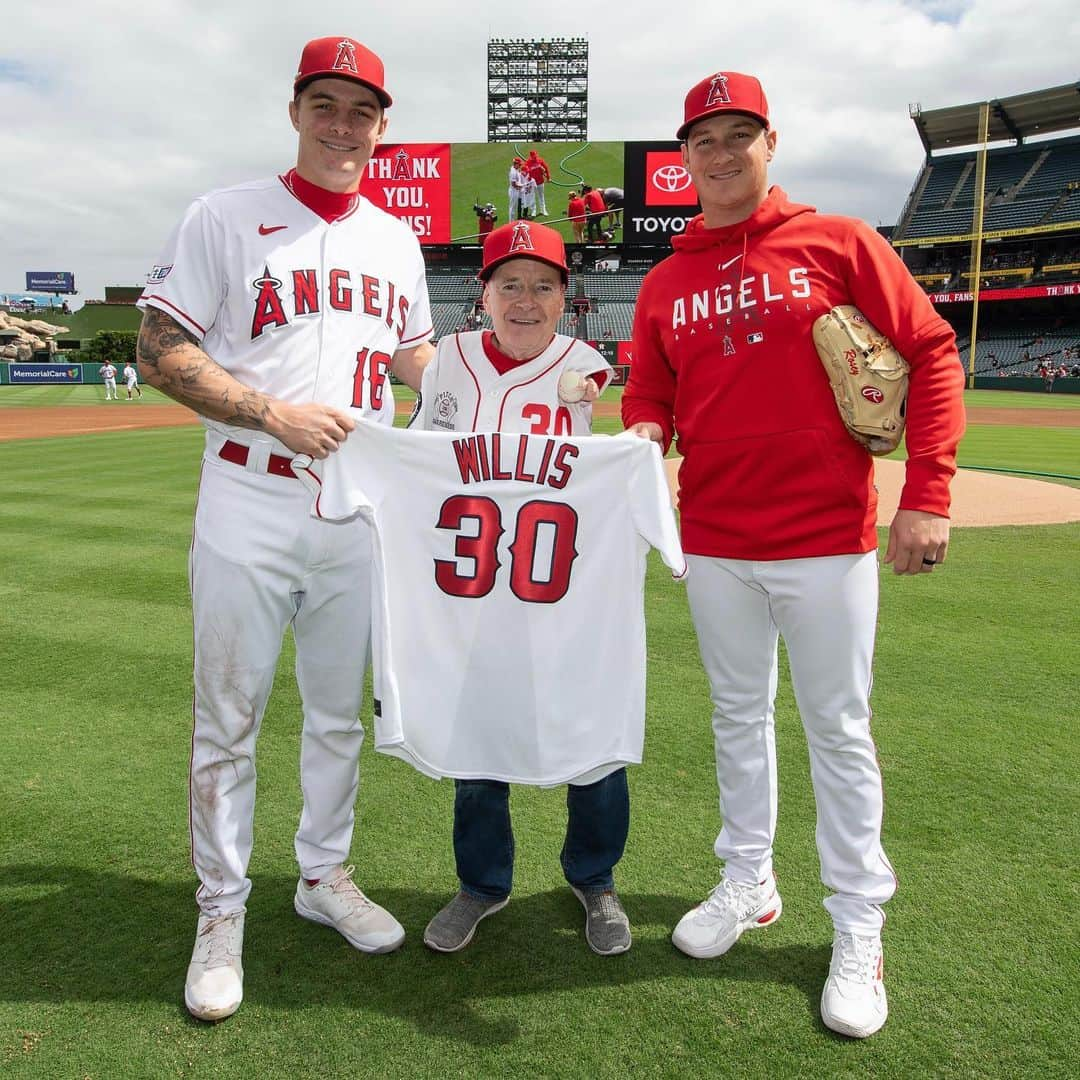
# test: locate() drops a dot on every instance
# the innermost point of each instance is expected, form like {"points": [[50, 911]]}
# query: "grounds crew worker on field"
{"points": [[277, 312], [778, 514]]}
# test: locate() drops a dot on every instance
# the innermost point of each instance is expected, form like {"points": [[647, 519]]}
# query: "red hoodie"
{"points": [[723, 355]]}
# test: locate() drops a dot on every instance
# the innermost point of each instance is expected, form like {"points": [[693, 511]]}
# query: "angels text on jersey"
{"points": [[276, 304]]}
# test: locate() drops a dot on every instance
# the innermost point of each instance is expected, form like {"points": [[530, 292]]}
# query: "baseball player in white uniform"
{"points": [[523, 377], [108, 375], [131, 381], [277, 312], [516, 182]]}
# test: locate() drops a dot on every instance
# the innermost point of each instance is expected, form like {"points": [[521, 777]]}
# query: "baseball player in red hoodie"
{"points": [[778, 512]]}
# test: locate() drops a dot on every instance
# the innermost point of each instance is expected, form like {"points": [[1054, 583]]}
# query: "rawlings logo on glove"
{"points": [[869, 378]]}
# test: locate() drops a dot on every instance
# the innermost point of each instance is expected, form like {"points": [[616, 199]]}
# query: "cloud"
{"points": [[115, 115]]}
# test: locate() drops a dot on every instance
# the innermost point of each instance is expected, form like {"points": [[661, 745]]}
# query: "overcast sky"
{"points": [[113, 115]]}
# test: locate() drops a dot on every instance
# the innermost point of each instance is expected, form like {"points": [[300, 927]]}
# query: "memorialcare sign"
{"points": [[45, 373]]}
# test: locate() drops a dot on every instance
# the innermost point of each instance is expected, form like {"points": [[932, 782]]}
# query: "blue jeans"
{"points": [[598, 821]]}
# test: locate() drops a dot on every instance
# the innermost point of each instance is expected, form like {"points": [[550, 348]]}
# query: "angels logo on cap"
{"points": [[722, 92], [521, 240], [346, 57], [524, 240], [718, 91], [341, 58]]}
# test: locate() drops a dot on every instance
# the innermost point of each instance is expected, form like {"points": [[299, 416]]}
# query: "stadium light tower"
{"points": [[538, 91]]}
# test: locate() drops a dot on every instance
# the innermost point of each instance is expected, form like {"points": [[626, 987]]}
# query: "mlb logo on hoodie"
{"points": [[753, 339]]}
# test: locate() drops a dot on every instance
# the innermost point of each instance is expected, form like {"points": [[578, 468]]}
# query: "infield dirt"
{"points": [[978, 498]]}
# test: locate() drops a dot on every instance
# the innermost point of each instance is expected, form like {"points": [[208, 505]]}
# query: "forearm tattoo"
{"points": [[173, 362]]}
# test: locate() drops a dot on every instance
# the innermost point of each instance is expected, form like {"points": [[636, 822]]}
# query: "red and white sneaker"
{"points": [[853, 1002], [732, 907]]}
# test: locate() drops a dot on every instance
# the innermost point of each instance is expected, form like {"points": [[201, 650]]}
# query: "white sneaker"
{"points": [[732, 907], [336, 901], [853, 1001], [215, 976]]}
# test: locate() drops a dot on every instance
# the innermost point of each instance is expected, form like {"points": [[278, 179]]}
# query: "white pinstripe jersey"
{"points": [[508, 634], [291, 305], [462, 390]]}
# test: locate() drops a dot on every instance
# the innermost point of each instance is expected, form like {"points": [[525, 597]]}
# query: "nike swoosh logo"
{"points": [[723, 266], [266, 230]]}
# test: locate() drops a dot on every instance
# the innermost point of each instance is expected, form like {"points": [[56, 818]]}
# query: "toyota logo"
{"points": [[671, 178]]}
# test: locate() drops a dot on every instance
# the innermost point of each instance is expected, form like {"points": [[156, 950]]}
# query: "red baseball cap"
{"points": [[524, 240], [726, 91], [341, 58]]}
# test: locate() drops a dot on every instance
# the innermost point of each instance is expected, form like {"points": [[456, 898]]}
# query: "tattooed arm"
{"points": [[170, 360]]}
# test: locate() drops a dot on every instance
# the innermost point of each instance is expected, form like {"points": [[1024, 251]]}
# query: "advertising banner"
{"points": [[660, 197], [45, 373], [456, 193], [412, 182], [1027, 292], [51, 281]]}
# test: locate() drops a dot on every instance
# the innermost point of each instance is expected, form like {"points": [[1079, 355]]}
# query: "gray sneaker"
{"points": [[607, 929], [453, 928]]}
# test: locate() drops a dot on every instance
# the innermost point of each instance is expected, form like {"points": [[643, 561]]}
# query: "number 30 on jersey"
{"points": [[542, 553]]}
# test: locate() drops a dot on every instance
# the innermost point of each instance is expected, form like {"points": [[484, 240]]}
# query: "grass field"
{"points": [[976, 724]]}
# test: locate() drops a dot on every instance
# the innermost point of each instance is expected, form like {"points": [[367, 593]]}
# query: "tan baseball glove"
{"points": [[869, 378]]}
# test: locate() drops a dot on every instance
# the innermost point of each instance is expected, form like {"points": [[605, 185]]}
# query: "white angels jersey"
{"points": [[291, 305], [508, 633], [462, 390]]}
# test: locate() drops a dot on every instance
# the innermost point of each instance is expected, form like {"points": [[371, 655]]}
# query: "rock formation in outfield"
{"points": [[31, 336]]}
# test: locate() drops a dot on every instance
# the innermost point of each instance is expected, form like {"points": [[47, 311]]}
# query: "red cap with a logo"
{"points": [[341, 58], [726, 91], [523, 240]]}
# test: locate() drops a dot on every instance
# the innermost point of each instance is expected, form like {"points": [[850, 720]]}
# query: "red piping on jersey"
{"points": [[499, 360], [476, 381], [418, 338], [183, 314], [331, 206], [314, 476], [517, 386], [191, 756]]}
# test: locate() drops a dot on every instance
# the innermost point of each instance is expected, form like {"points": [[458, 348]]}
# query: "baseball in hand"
{"points": [[572, 386]]}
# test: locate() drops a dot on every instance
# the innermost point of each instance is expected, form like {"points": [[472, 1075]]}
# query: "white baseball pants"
{"points": [[259, 564], [826, 611]]}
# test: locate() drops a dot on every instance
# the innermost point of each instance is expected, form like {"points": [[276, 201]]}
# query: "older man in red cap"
{"points": [[523, 376], [778, 514], [276, 312]]}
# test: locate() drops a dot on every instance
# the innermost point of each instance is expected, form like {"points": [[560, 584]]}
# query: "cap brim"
{"points": [[486, 271], [687, 125], [384, 98]]}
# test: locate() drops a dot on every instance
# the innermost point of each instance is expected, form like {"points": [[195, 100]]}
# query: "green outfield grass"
{"points": [[976, 724], [28, 397], [1019, 399]]}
